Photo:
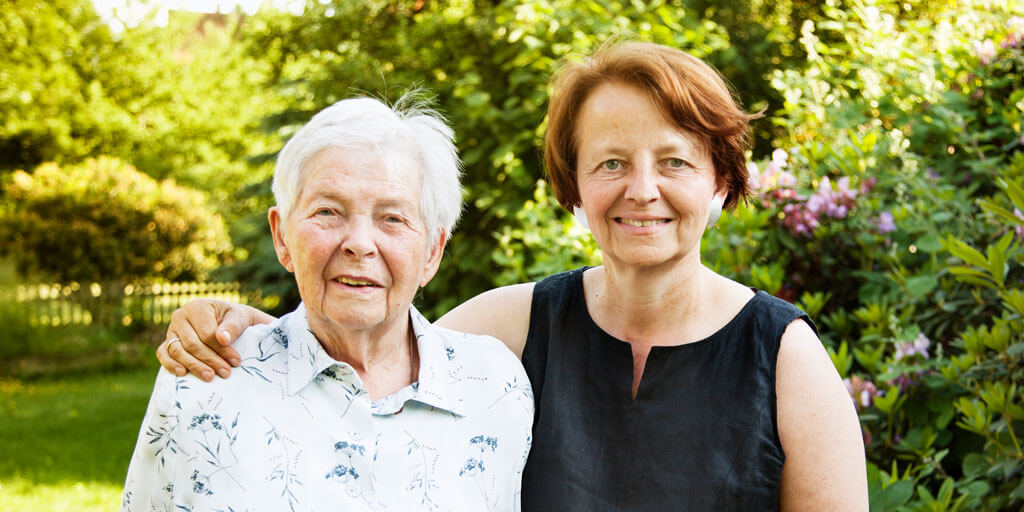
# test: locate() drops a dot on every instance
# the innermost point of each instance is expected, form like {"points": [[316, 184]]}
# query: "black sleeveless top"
{"points": [[700, 435]]}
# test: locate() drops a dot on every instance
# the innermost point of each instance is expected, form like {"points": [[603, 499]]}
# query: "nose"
{"points": [[358, 240], [642, 187]]}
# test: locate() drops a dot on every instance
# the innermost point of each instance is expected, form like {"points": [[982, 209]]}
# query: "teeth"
{"points": [[641, 223], [354, 282]]}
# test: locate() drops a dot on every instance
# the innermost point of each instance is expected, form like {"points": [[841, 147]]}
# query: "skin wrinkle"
{"points": [[358, 218]]}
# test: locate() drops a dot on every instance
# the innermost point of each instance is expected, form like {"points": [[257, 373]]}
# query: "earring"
{"points": [[715, 210], [581, 216]]}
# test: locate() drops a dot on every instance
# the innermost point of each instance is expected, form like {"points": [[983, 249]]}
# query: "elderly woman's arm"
{"points": [[819, 429], [206, 328]]}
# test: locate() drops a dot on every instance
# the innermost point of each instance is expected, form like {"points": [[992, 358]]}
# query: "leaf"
{"points": [[1016, 194], [1018, 493], [922, 285], [972, 276], [977, 489], [999, 211], [929, 243], [974, 465], [967, 253], [891, 497]]}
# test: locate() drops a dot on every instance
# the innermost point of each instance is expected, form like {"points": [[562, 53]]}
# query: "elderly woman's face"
{"points": [[356, 241], [645, 184]]}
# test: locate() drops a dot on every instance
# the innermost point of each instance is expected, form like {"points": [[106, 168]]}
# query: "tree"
{"points": [[103, 220], [182, 101]]}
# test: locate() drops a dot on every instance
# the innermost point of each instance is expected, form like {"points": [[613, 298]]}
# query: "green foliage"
{"points": [[889, 173], [489, 64], [893, 209], [105, 221], [180, 102]]}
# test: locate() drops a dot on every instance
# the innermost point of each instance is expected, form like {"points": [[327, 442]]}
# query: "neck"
{"points": [[385, 359], [650, 306]]}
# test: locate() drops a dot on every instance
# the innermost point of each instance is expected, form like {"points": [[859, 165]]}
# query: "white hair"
{"points": [[408, 128]]}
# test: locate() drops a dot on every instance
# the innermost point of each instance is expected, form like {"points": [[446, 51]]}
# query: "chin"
{"points": [[353, 318]]}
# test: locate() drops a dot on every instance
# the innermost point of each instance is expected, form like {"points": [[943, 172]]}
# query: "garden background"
{"points": [[135, 167]]}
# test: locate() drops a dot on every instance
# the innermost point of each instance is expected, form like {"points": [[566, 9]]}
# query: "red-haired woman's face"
{"points": [[646, 184]]}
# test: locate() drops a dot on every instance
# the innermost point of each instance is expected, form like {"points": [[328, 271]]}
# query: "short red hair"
{"points": [[688, 91]]}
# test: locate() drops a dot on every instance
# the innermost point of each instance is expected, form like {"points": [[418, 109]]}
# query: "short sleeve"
{"points": [[150, 481]]}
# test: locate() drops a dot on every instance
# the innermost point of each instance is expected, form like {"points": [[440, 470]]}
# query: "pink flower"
{"points": [[779, 158], [885, 223], [1015, 24], [919, 346], [862, 391], [1015, 36], [985, 51], [773, 174], [867, 185], [787, 179]]}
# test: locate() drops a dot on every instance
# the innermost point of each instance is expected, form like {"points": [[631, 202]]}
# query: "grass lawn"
{"points": [[66, 442]]}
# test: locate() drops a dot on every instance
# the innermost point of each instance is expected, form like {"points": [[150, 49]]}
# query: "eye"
{"points": [[611, 165], [677, 163], [393, 219], [323, 212]]}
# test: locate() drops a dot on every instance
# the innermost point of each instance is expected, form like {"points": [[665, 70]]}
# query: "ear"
{"points": [[434, 257], [277, 232]]}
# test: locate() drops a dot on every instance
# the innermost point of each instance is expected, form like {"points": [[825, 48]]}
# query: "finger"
{"points": [[195, 323], [184, 356], [233, 323], [168, 362], [201, 341]]}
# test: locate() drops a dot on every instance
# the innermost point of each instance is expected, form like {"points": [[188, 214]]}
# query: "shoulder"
{"points": [[818, 428], [801, 353], [503, 313], [486, 378], [483, 353]]}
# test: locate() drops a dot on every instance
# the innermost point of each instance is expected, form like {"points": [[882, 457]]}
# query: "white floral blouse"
{"points": [[293, 429]]}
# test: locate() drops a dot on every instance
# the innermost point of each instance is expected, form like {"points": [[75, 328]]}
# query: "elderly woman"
{"points": [[659, 384], [353, 401]]}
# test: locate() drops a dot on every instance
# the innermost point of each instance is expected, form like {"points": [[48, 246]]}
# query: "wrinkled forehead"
{"points": [[372, 161]]}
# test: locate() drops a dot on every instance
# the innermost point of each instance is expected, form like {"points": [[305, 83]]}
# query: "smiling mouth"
{"points": [[355, 282], [640, 223]]}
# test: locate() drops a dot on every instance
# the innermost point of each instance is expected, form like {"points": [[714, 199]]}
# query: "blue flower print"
{"points": [[279, 337], [472, 467], [483, 442], [350, 448], [200, 483], [205, 422], [342, 473]]}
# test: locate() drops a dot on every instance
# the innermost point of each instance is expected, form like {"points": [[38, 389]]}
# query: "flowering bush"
{"points": [[891, 175]]}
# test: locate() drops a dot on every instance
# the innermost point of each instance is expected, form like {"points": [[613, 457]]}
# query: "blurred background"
{"points": [[137, 141]]}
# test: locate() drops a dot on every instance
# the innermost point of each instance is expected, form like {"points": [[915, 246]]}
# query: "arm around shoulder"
{"points": [[819, 429], [502, 312]]}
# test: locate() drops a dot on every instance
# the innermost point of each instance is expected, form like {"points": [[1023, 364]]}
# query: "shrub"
{"points": [[891, 213], [103, 220]]}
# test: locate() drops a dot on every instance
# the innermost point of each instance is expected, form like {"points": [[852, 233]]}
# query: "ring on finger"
{"points": [[172, 341]]}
